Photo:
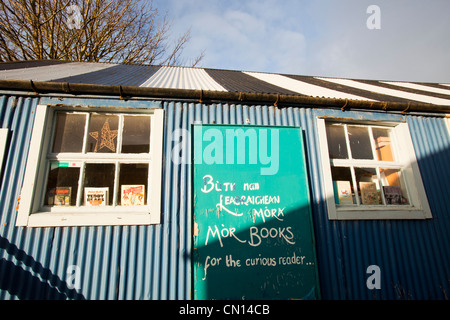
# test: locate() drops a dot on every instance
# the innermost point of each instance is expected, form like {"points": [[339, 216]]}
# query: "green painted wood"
{"points": [[253, 234]]}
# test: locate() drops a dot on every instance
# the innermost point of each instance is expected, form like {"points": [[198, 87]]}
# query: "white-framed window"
{"points": [[93, 166], [370, 171]]}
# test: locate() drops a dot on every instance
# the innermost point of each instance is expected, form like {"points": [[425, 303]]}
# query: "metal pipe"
{"points": [[208, 95]]}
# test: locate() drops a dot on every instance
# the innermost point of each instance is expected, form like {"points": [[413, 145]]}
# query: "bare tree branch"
{"points": [[120, 31]]}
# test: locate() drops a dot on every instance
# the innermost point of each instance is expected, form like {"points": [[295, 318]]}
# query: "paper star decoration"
{"points": [[107, 137]]}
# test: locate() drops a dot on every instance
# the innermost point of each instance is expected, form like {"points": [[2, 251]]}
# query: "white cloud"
{"points": [[324, 38], [242, 35], [412, 43]]}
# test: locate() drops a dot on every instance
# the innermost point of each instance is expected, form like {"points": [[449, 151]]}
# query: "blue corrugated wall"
{"points": [[153, 262]]}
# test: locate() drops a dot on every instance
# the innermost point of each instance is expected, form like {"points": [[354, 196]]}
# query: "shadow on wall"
{"points": [[255, 256], [44, 286]]}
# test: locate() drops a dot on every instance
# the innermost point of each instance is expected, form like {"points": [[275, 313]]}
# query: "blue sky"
{"points": [[318, 38]]}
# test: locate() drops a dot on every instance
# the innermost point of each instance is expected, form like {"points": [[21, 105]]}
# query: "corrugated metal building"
{"points": [[153, 261]]}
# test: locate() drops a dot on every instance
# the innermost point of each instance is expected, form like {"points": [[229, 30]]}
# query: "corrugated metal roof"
{"points": [[391, 92], [346, 89], [28, 64], [122, 75], [226, 80], [238, 81], [303, 87], [51, 72], [182, 78], [420, 87]]}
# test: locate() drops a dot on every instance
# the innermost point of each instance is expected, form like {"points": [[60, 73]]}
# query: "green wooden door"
{"points": [[253, 234]]}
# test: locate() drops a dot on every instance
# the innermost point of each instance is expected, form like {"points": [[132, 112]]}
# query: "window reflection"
{"points": [[337, 146], [69, 132], [136, 134], [360, 142]]}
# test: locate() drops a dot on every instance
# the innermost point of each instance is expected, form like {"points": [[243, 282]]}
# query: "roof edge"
{"points": [[280, 100]]}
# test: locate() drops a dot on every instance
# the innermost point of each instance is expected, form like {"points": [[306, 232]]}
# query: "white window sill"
{"points": [[377, 213], [91, 218]]}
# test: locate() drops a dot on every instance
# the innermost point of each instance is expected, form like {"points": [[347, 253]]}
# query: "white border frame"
{"points": [[3, 139], [419, 208], [29, 214], [447, 122]]}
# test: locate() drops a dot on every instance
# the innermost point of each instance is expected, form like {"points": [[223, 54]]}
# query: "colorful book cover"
{"points": [[96, 197], [59, 196], [344, 191], [392, 194], [132, 195], [369, 193]]}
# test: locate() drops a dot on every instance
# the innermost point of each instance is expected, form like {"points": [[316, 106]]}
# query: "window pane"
{"points": [[69, 132], [98, 184], [136, 134], [133, 187], [62, 185], [383, 145], [394, 190], [103, 132], [337, 147], [368, 186], [360, 142], [343, 186]]}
